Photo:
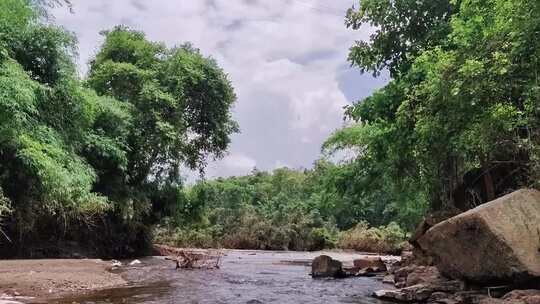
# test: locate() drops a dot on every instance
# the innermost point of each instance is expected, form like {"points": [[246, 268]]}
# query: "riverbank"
{"points": [[20, 279]]}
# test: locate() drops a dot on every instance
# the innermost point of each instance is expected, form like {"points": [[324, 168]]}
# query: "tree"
{"points": [[457, 126], [95, 160], [180, 100], [45, 115], [403, 30], [179, 103]]}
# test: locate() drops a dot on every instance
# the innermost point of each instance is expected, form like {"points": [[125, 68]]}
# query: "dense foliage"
{"points": [[99, 159], [92, 160], [458, 124], [285, 209], [388, 239], [257, 211]]}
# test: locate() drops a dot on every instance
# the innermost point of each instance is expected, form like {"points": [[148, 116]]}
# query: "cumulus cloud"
{"points": [[285, 58]]}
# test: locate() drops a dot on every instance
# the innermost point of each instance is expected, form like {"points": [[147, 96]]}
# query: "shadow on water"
{"points": [[247, 278]]}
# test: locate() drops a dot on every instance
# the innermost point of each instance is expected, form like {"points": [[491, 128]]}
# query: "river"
{"points": [[247, 277]]}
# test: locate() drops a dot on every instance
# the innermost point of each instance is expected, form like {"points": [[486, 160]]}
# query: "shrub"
{"points": [[185, 237], [248, 229], [385, 239]]}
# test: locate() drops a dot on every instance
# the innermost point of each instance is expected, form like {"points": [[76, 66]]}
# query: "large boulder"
{"points": [[419, 256], [424, 275], [495, 242], [324, 266]]}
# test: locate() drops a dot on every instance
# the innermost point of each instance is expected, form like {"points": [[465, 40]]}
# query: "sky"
{"points": [[287, 60]]}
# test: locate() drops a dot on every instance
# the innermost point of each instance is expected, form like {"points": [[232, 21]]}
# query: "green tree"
{"points": [[403, 30], [457, 125], [180, 102], [45, 114], [99, 160]]}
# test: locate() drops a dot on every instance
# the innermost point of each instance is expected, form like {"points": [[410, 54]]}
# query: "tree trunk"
{"points": [[488, 186]]}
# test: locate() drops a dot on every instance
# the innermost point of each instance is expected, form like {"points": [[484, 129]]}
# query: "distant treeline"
{"points": [[282, 210]]}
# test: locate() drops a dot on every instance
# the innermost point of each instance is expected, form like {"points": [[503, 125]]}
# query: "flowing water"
{"points": [[247, 277]]}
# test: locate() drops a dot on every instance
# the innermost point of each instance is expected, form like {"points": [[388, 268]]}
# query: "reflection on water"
{"points": [[245, 277]]}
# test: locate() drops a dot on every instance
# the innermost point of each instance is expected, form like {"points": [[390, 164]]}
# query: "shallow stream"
{"points": [[247, 277]]}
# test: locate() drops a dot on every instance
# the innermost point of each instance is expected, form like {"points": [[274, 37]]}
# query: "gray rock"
{"points": [[370, 262], [416, 293], [366, 272], [497, 241], [424, 274], [438, 296], [389, 279], [402, 273], [324, 266], [448, 286]]}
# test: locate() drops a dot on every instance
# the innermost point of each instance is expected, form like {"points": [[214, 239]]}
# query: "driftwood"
{"points": [[191, 258]]}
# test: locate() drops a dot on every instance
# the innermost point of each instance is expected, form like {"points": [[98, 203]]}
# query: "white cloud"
{"points": [[233, 164], [285, 59], [239, 162]]}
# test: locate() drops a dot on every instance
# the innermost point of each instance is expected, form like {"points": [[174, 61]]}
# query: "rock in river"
{"points": [[324, 266], [497, 241], [389, 279], [370, 262]]}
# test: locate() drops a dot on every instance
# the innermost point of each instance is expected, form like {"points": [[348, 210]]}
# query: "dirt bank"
{"points": [[38, 278]]}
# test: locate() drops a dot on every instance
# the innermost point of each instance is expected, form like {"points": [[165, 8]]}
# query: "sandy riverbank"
{"points": [[38, 278]]}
